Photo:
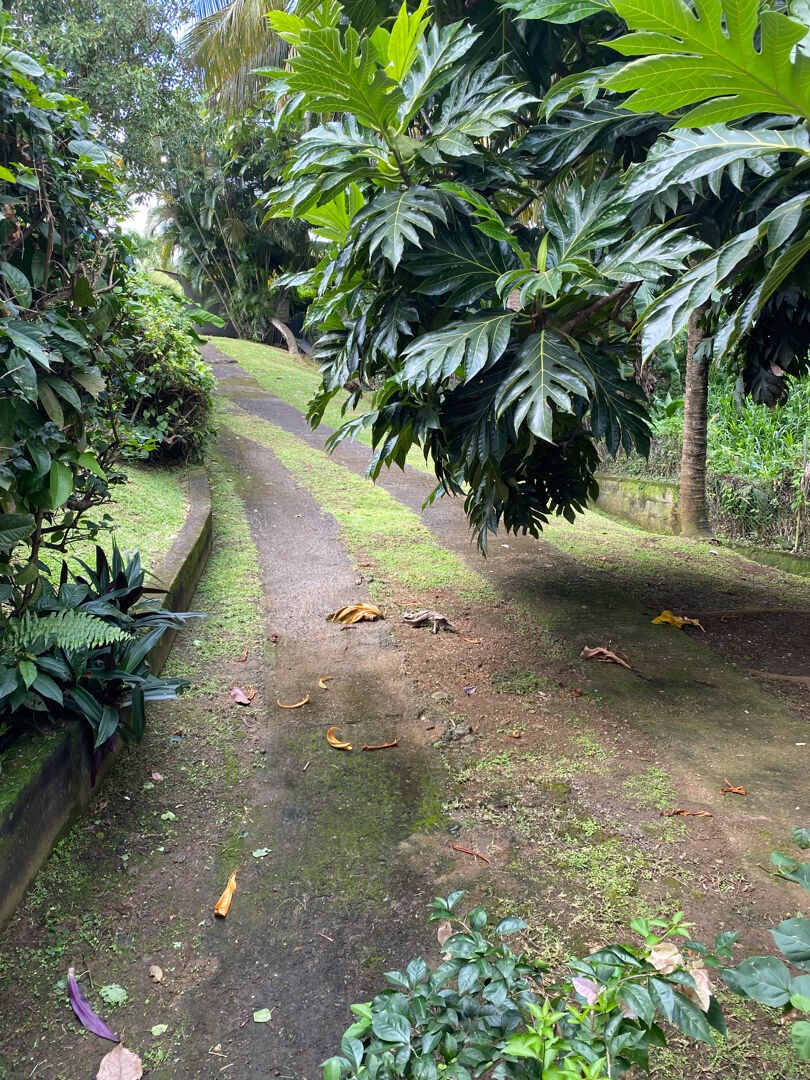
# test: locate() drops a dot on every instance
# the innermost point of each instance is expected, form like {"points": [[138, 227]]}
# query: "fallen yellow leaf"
{"points": [[677, 620], [223, 905], [333, 740], [353, 613], [324, 679], [297, 705]]}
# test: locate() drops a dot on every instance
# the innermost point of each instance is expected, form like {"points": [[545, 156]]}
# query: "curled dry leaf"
{"points": [[730, 789], [120, 1064], [333, 740], [434, 619], [297, 705], [382, 745], [353, 613], [679, 621], [604, 656], [156, 973], [241, 659], [324, 679], [223, 905], [469, 851], [239, 696], [251, 693], [685, 813]]}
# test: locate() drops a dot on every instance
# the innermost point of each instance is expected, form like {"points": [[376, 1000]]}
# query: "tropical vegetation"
{"points": [[492, 248], [81, 338]]}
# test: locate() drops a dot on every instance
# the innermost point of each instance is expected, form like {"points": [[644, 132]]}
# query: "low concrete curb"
{"points": [[45, 781]]}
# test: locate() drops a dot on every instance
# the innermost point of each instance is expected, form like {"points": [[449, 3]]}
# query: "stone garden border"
{"points": [[45, 781]]}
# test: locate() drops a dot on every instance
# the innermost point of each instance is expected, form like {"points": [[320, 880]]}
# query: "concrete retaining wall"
{"points": [[650, 504], [45, 781]]}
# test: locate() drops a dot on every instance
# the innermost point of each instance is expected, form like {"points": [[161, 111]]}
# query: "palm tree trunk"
{"points": [[692, 505], [287, 334]]}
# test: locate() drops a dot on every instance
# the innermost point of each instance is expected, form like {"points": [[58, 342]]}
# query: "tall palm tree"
{"points": [[229, 40]]}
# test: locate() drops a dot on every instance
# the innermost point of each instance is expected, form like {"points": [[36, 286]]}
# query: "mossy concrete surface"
{"points": [[47, 781], [650, 504]]}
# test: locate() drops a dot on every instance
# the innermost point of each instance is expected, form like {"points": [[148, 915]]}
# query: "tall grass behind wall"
{"points": [[757, 462]]}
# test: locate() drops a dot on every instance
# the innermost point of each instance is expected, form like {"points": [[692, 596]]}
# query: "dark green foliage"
{"points": [[57, 250], [82, 649], [499, 345], [210, 215], [122, 58], [159, 390], [488, 1011]]}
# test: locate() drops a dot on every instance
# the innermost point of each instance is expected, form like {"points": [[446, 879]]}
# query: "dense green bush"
{"points": [[159, 390], [70, 313], [488, 1011], [81, 649]]}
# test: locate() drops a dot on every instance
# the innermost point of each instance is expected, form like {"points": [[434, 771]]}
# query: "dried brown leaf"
{"points": [[604, 656], [353, 613], [156, 973], [679, 621], [324, 679], [297, 705], [241, 659], [382, 745], [428, 617], [223, 905], [333, 740], [120, 1064]]}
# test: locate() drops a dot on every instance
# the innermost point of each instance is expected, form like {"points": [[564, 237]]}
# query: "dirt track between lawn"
{"points": [[553, 777]]}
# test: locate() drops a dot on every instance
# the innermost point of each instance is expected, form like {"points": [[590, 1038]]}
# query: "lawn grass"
{"points": [[373, 524], [296, 381], [147, 512]]}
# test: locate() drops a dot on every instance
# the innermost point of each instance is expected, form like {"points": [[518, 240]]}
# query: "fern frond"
{"points": [[69, 630]]}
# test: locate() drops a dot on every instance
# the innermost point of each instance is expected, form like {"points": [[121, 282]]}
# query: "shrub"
{"points": [[82, 649], [486, 1010], [159, 388]]}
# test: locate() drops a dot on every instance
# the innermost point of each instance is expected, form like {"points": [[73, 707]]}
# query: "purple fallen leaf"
{"points": [[87, 1018], [586, 988], [239, 696], [469, 690]]}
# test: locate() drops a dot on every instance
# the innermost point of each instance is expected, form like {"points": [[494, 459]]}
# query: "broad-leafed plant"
{"points": [[483, 292]]}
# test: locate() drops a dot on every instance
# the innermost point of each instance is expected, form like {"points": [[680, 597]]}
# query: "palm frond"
{"points": [[227, 43]]}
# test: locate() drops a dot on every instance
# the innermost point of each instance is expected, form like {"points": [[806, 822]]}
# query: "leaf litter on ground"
{"points": [[334, 741], [85, 1014], [605, 655], [120, 1064], [353, 613], [679, 621], [428, 617], [223, 905], [297, 705]]}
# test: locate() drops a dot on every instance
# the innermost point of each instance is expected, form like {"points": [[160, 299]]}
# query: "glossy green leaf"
{"points": [[725, 60], [547, 374], [792, 938], [762, 978], [61, 484]]}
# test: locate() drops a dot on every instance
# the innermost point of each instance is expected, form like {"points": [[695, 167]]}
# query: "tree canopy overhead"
{"points": [[122, 58]]}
